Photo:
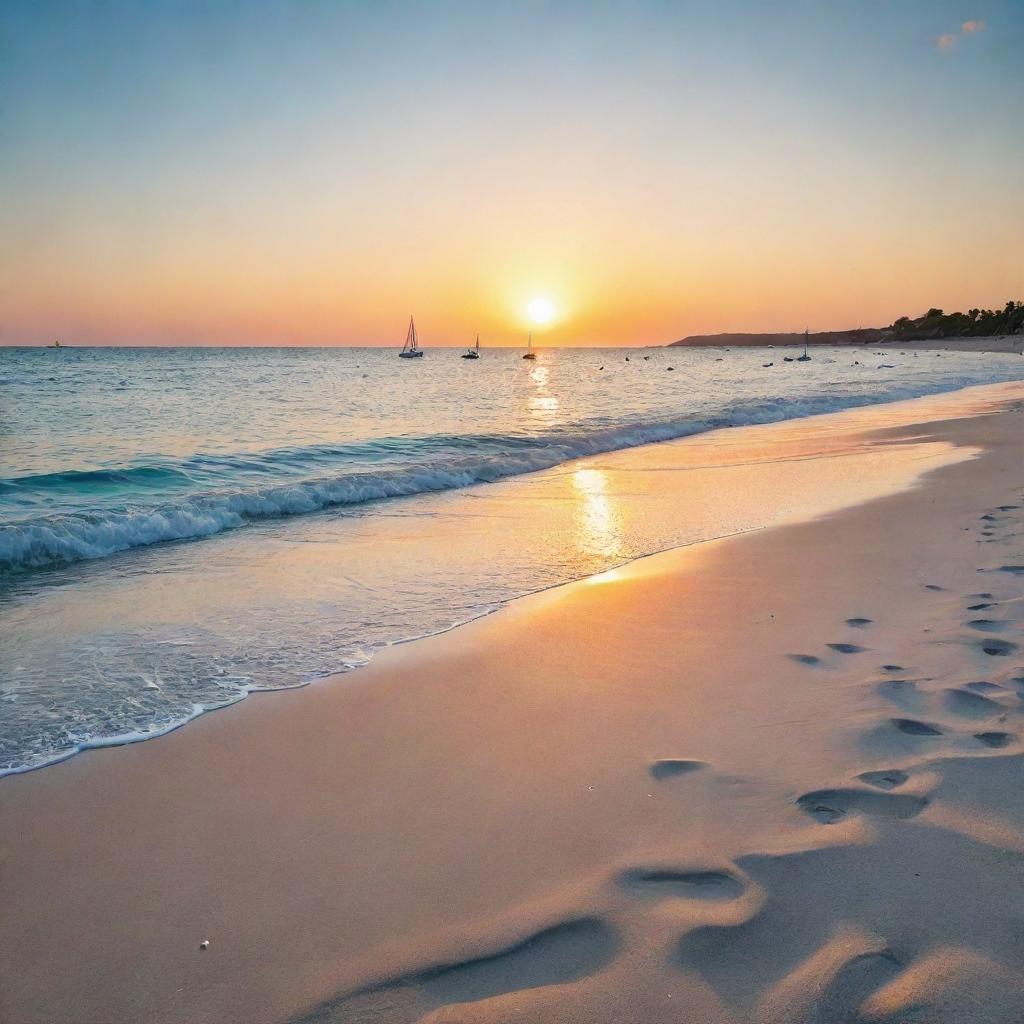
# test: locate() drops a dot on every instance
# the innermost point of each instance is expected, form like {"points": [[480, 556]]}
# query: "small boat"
{"points": [[474, 352], [411, 349], [805, 358], [56, 344], [530, 354]]}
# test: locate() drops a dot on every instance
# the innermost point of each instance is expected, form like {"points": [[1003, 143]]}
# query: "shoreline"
{"points": [[1006, 344], [624, 456], [604, 771]]}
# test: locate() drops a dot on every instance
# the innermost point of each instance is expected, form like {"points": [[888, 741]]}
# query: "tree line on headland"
{"points": [[975, 323]]}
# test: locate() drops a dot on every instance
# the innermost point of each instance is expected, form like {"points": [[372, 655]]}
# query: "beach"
{"points": [[1012, 344], [466, 556], [769, 777], [879, 344]]}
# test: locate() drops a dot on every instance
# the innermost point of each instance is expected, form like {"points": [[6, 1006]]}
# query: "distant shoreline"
{"points": [[1008, 343]]}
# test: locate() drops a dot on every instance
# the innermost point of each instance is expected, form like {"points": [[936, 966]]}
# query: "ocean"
{"points": [[181, 527]]}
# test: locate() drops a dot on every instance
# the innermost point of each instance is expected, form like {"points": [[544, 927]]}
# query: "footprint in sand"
{"points": [[892, 668], [933, 586], [903, 693], [891, 778], [689, 884], [846, 648], [838, 992], [994, 739], [668, 767], [986, 625], [1017, 570], [913, 727], [858, 623], [555, 956], [970, 704], [997, 648], [831, 805], [804, 659], [984, 686], [559, 955], [980, 607]]}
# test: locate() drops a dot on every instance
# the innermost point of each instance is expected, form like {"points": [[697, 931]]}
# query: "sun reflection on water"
{"points": [[544, 407]]}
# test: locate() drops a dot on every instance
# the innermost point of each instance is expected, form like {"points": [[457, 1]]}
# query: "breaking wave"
{"points": [[304, 480]]}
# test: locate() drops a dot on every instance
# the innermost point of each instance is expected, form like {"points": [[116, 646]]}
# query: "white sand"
{"points": [[657, 795]]}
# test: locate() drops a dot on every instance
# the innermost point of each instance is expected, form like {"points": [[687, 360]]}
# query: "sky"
{"points": [[313, 172]]}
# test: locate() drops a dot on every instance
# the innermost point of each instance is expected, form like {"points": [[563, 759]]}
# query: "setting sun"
{"points": [[541, 310]]}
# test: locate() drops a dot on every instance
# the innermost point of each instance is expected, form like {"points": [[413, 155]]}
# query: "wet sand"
{"points": [[773, 777]]}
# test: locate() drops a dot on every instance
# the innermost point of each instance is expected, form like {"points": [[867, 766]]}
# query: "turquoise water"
{"points": [[179, 527]]}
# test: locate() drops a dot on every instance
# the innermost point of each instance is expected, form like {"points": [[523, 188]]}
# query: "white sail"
{"points": [[412, 346]]}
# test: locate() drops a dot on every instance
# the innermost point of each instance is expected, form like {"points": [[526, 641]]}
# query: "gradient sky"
{"points": [[310, 172]]}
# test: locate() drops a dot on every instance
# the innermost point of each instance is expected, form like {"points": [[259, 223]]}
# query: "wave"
{"points": [[433, 464], [83, 480]]}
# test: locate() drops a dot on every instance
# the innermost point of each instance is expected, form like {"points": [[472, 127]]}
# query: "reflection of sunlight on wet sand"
{"points": [[611, 576], [598, 520]]}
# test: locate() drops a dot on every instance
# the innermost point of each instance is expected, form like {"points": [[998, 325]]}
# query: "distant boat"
{"points": [[411, 349], [473, 353], [56, 344], [530, 354], [805, 358]]}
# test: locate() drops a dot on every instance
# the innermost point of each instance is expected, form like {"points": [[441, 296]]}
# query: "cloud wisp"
{"points": [[967, 28]]}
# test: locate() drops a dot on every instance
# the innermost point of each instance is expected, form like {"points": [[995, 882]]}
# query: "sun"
{"points": [[541, 310]]}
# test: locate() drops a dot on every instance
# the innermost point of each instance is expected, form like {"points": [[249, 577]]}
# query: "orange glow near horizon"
{"points": [[226, 285], [222, 290], [649, 172]]}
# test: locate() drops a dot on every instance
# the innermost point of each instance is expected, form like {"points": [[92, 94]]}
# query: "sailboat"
{"points": [[805, 358], [56, 344], [530, 354], [411, 349], [473, 353]]}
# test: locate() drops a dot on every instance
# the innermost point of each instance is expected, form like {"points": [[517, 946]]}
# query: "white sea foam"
{"points": [[39, 541]]}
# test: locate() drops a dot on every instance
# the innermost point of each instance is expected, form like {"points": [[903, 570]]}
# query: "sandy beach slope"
{"points": [[771, 778], [1012, 344]]}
